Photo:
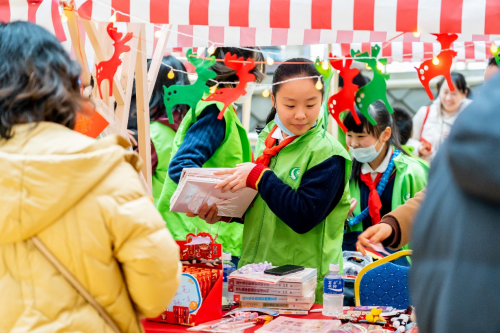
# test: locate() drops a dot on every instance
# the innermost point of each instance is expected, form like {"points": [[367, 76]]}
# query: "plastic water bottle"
{"points": [[227, 268], [333, 293]]}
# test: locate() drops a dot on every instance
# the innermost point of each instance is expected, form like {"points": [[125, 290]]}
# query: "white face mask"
{"points": [[249, 88], [366, 155]]}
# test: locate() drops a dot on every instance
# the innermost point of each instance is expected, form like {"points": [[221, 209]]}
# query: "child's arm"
{"points": [[201, 141], [320, 191], [394, 230]]}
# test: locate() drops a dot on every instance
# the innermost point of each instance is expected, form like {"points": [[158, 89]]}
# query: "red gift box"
{"points": [[199, 297]]}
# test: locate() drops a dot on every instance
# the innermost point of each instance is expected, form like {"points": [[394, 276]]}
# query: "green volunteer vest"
{"points": [[233, 150], [267, 238], [162, 137], [411, 177]]}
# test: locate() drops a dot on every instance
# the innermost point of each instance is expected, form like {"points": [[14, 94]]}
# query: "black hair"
{"points": [[283, 72], [459, 82], [156, 103], [384, 119], [492, 62], [226, 74], [360, 80], [38, 80], [404, 123]]}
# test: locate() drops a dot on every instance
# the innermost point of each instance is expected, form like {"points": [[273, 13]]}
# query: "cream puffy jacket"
{"points": [[84, 200]]}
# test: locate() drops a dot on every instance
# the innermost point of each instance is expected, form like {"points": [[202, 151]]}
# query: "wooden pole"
{"points": [[77, 43], [157, 59], [246, 113], [141, 88], [127, 75]]}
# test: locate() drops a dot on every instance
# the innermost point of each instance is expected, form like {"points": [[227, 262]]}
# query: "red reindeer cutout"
{"points": [[105, 70], [344, 99], [431, 68], [229, 95]]}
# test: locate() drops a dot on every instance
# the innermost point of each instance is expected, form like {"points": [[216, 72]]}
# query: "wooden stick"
{"points": [[141, 88], [157, 59], [334, 88], [127, 76], [333, 127], [245, 114], [77, 43], [99, 48]]}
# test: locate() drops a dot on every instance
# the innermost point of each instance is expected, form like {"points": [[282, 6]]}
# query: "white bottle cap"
{"points": [[226, 256], [334, 268]]}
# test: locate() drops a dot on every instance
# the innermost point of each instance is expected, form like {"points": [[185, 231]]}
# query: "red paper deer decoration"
{"points": [[344, 99], [431, 68], [229, 95], [105, 70]]}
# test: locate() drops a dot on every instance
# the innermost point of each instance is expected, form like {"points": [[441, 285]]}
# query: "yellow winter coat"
{"points": [[84, 200]]}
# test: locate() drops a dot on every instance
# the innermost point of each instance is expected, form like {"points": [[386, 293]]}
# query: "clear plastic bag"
{"points": [[359, 328], [354, 262]]}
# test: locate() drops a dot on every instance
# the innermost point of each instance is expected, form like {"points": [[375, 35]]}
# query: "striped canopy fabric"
{"points": [[261, 23], [42, 12], [429, 16]]}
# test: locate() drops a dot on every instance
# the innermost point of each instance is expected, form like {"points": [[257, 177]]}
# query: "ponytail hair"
{"points": [[384, 119], [299, 67]]}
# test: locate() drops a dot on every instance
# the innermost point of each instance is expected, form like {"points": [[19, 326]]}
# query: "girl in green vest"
{"points": [[302, 176], [162, 132], [210, 143], [383, 176]]}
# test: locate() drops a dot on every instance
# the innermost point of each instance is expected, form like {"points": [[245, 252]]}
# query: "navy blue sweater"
{"points": [[320, 190], [200, 143]]}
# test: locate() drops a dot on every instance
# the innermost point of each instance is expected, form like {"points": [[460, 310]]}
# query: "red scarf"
{"points": [[374, 203], [271, 149]]}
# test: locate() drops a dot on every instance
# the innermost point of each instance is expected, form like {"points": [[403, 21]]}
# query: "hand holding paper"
{"points": [[196, 195], [238, 178], [209, 214], [373, 236]]}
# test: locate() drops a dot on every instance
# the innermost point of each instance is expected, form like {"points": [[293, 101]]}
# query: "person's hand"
{"points": [[425, 149], [238, 178], [209, 214], [132, 139], [354, 203], [373, 235]]}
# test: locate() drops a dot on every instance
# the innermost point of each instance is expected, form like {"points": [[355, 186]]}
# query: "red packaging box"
{"points": [[199, 296]]}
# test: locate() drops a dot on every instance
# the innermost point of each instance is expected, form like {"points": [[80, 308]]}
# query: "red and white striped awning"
{"points": [[430, 16], [418, 51], [404, 47], [42, 12]]}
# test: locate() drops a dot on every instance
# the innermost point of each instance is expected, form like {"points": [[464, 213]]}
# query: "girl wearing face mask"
{"points": [[302, 177], [209, 143], [432, 124], [383, 176]]}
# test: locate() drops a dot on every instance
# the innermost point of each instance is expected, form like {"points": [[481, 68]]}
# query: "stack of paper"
{"points": [[196, 188], [294, 291]]}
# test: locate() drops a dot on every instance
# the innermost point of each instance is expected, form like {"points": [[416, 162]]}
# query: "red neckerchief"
{"points": [[271, 149], [374, 202]]}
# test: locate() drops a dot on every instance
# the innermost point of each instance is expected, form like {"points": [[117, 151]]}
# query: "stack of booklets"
{"points": [[294, 293], [196, 188]]}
